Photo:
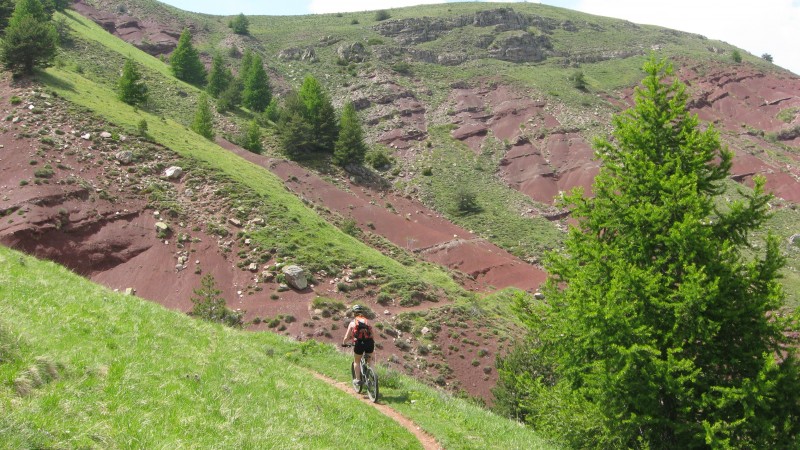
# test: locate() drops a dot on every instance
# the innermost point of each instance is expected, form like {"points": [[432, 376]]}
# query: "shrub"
{"points": [[736, 56], [382, 15], [378, 158]]}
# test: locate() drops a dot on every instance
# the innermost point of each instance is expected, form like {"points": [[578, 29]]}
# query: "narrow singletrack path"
{"points": [[428, 442]]}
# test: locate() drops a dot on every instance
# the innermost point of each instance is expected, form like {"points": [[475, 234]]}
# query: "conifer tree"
{"points": [[219, 77], [350, 147], [130, 87], [6, 9], [294, 131], [657, 331], [30, 39], [203, 123], [240, 25], [257, 92], [320, 114], [252, 138], [185, 61]]}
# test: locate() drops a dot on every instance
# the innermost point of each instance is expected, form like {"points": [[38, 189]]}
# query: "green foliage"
{"points": [[736, 56], [6, 9], [402, 67], [466, 200], [350, 147], [32, 8], [379, 158], [656, 332], [273, 111], [231, 97], [203, 123], [142, 127], [240, 25], [252, 138], [185, 61], [382, 15], [578, 80], [767, 57], [257, 92], [29, 40], [130, 87], [219, 78], [209, 305], [319, 114]]}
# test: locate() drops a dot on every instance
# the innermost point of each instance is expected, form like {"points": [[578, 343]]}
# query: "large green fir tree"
{"points": [[657, 330], [257, 92], [203, 123], [130, 87], [350, 146], [319, 114], [29, 40], [185, 61]]}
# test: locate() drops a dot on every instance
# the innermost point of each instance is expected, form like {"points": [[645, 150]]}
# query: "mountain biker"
{"points": [[359, 332]]}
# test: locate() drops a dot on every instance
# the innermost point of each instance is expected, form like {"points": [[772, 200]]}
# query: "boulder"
{"points": [[162, 227], [125, 157], [355, 52], [173, 172], [105, 135], [296, 277]]}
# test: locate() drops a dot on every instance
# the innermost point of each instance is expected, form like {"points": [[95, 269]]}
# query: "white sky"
{"points": [[765, 26]]}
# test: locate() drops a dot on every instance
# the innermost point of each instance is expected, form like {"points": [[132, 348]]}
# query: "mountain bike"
{"points": [[369, 378]]}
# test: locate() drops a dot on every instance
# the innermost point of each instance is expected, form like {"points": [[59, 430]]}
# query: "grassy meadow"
{"points": [[84, 367]]}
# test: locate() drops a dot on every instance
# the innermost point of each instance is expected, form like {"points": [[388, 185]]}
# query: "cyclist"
{"points": [[359, 332]]}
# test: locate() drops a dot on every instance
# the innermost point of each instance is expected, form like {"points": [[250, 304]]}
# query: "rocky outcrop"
{"points": [[298, 54], [355, 52], [149, 37], [521, 47]]}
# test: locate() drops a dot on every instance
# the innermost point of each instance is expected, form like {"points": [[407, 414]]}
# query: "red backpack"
{"points": [[362, 330]]}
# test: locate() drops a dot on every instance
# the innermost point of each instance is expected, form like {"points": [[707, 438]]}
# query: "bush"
{"points": [[466, 200], [378, 158], [736, 56], [382, 15]]}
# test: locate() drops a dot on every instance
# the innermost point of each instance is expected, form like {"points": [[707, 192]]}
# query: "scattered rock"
{"points": [[173, 172], [296, 277], [130, 291], [86, 136], [105, 135], [253, 267], [235, 222], [161, 227], [538, 296], [125, 157]]}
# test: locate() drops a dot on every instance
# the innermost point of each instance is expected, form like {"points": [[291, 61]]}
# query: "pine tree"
{"points": [[657, 331], [203, 123], [219, 77], [130, 87], [240, 25], [30, 39], [33, 8], [6, 10], [252, 138], [320, 114], [246, 65], [185, 61], [350, 147], [257, 92], [294, 131]]}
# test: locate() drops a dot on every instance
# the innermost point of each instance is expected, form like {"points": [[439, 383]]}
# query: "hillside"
{"points": [[468, 94], [84, 367]]}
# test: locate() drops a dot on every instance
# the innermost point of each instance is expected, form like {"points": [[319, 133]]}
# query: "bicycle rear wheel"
{"points": [[371, 383], [353, 377]]}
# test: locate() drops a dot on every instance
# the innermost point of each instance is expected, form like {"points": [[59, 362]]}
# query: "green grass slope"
{"points": [[84, 367]]}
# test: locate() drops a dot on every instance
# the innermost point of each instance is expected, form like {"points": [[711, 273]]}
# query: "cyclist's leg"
{"points": [[358, 352]]}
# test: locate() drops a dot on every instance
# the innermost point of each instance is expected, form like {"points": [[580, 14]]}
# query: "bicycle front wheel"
{"points": [[371, 384]]}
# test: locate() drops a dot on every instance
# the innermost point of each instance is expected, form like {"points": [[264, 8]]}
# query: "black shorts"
{"points": [[367, 345]]}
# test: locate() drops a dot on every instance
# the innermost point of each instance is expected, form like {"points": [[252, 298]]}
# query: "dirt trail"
{"points": [[427, 441]]}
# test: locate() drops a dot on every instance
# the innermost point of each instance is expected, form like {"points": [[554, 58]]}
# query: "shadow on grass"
{"points": [[54, 81]]}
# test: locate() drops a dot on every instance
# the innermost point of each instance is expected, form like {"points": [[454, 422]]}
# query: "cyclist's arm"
{"points": [[348, 335]]}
